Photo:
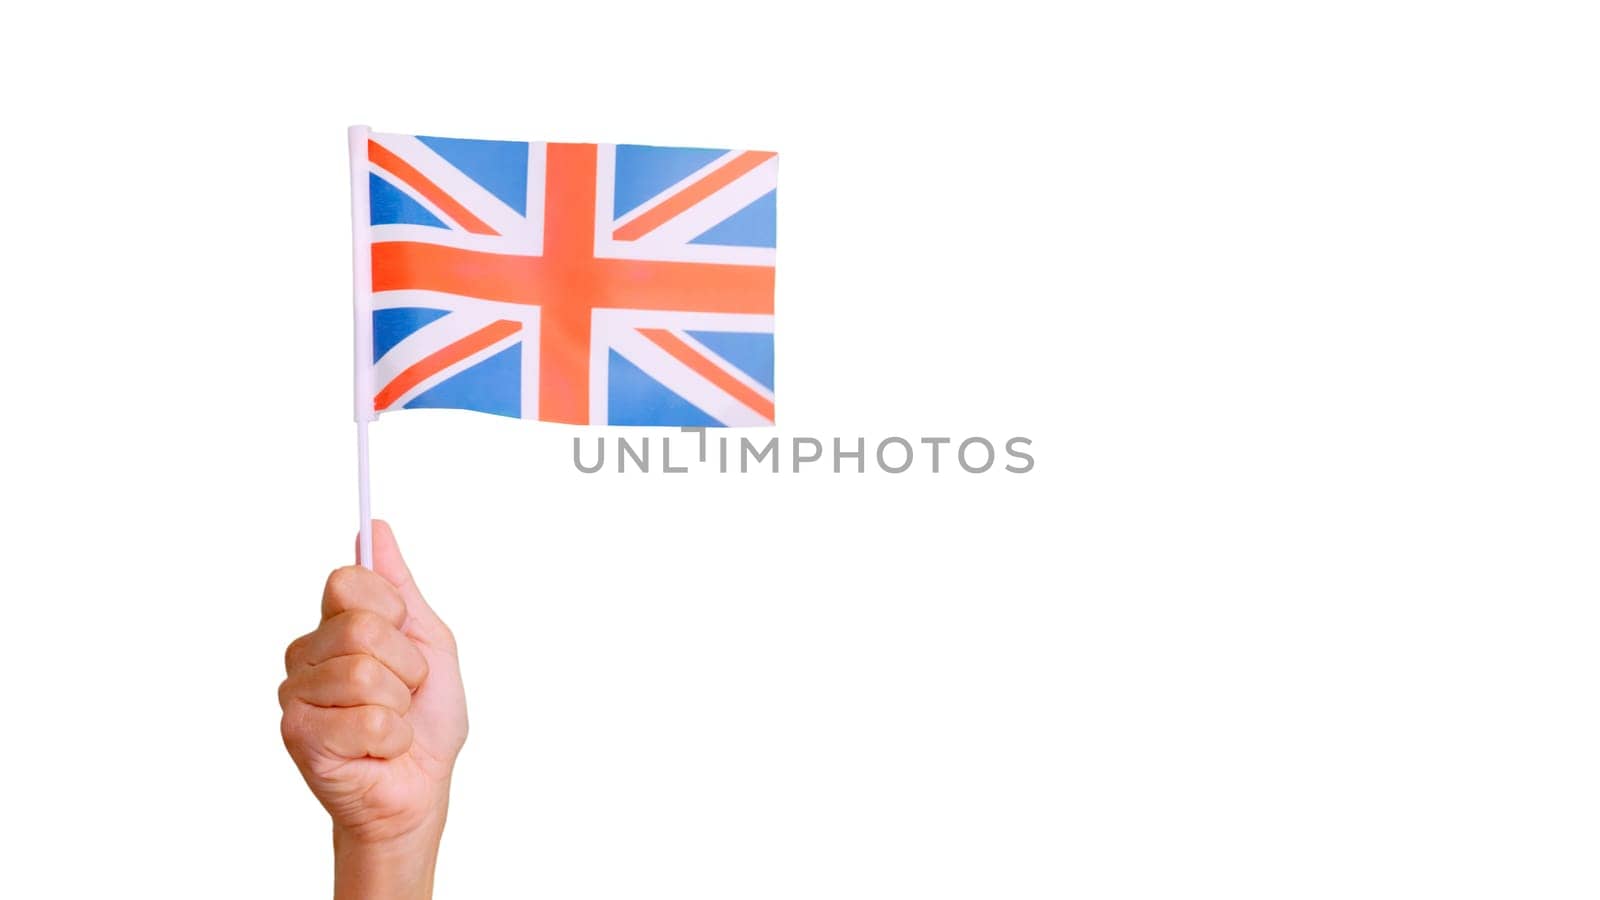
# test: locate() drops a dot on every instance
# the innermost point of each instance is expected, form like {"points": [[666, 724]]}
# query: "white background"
{"points": [[1297, 302]]}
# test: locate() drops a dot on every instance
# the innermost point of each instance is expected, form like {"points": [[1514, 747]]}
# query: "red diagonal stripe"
{"points": [[441, 359], [709, 370], [399, 168], [669, 208]]}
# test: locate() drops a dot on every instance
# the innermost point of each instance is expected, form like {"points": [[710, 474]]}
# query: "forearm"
{"points": [[399, 869]]}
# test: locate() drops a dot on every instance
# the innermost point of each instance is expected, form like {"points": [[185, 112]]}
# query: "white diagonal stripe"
{"points": [[733, 371], [665, 195], [454, 369], [477, 199], [419, 344], [681, 380], [713, 210], [607, 322], [399, 184], [674, 246]]}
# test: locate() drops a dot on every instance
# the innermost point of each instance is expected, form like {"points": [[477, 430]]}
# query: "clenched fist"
{"points": [[374, 715]]}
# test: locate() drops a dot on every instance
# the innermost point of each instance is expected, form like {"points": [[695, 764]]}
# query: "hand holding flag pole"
{"points": [[361, 222]]}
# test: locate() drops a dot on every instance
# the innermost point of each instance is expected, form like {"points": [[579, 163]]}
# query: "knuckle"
{"points": [[341, 584], [370, 628], [291, 652], [292, 728], [365, 673], [375, 720], [361, 629]]}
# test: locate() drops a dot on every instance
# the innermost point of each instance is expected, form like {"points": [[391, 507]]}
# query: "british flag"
{"points": [[582, 283]]}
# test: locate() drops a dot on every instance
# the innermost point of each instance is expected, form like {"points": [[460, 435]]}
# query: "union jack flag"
{"points": [[581, 283]]}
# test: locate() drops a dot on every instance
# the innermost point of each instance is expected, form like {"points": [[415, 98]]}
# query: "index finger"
{"points": [[354, 587]]}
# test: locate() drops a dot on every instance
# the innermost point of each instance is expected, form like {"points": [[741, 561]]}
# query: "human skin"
{"points": [[374, 716]]}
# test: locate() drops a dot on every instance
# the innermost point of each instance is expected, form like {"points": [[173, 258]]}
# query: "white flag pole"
{"points": [[361, 221]]}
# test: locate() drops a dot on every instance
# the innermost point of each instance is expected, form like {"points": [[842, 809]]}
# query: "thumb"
{"points": [[421, 621]]}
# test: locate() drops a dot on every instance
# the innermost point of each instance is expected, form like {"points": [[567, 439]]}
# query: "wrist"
{"points": [[399, 867]]}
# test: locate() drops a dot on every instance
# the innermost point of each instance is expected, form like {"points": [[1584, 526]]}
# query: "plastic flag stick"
{"points": [[361, 222]]}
